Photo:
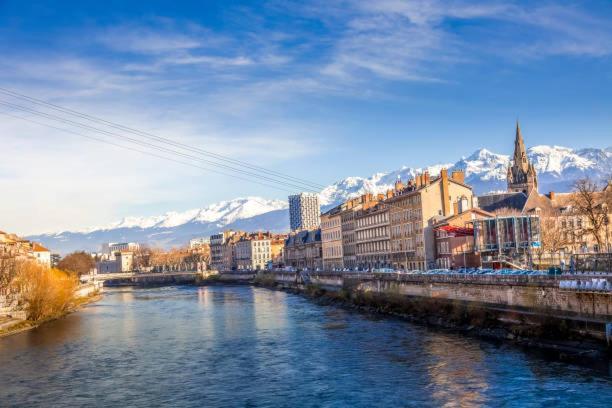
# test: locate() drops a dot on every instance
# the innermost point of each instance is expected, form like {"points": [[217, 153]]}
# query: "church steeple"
{"points": [[520, 154], [521, 175]]}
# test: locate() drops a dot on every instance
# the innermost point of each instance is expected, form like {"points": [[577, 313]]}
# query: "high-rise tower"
{"points": [[522, 175], [304, 211]]}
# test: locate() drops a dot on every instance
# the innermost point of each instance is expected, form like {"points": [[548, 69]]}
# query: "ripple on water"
{"points": [[243, 346]]}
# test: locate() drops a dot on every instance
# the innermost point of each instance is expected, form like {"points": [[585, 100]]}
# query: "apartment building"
{"points": [[413, 211], [303, 250], [304, 211], [277, 250], [347, 227], [253, 251], [331, 238], [222, 249], [372, 233]]}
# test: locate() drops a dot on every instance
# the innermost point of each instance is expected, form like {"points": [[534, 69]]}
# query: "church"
{"points": [[522, 175], [522, 197], [522, 181]]}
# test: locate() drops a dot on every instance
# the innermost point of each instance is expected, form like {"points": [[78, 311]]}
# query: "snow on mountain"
{"points": [[557, 167]]}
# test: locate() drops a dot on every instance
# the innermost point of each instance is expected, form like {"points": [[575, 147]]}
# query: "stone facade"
{"points": [[521, 175], [303, 250], [372, 234], [349, 242], [331, 238], [414, 210], [222, 249]]}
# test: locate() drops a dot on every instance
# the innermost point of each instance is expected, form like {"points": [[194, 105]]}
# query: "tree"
{"points": [[591, 203], [78, 263], [506, 211], [552, 237], [143, 257]]}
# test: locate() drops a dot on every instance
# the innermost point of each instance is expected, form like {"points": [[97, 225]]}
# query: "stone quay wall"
{"points": [[526, 294]]}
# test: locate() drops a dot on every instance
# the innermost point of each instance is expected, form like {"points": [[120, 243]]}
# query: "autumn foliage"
{"points": [[45, 292]]}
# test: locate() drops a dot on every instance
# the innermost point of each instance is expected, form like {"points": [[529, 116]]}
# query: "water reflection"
{"points": [[243, 346], [458, 379]]}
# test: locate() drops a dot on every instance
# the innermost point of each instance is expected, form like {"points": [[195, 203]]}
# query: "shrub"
{"points": [[45, 292]]}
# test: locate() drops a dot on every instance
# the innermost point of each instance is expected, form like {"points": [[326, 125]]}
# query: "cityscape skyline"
{"points": [[350, 89]]}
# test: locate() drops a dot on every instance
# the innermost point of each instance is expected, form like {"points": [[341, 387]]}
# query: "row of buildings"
{"points": [[436, 221], [429, 221], [12, 246], [239, 250]]}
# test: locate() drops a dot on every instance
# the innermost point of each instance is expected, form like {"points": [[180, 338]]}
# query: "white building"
{"points": [[253, 252], [122, 262], [41, 254], [113, 247], [304, 211]]}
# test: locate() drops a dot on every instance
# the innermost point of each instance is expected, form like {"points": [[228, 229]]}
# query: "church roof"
{"points": [[493, 202]]}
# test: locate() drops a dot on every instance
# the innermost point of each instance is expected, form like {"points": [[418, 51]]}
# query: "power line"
{"points": [[142, 151], [147, 144], [161, 139]]}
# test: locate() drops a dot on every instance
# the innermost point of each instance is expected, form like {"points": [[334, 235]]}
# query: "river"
{"points": [[253, 347]]}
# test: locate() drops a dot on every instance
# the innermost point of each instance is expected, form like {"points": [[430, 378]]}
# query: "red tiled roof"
{"points": [[39, 248]]}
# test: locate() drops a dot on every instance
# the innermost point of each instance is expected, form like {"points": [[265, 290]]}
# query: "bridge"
{"points": [[137, 278]]}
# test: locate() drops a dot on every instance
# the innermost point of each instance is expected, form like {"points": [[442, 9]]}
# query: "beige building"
{"points": [[277, 249], [372, 233], [331, 238], [413, 211], [572, 225], [349, 244], [222, 249]]}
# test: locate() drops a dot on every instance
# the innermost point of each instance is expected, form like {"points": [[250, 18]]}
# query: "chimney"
{"points": [[551, 195], [444, 192], [418, 180], [380, 197], [389, 193], [426, 178], [458, 176]]}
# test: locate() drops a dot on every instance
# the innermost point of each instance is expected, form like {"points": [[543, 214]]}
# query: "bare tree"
{"points": [[591, 203], [553, 238], [143, 257], [505, 211]]}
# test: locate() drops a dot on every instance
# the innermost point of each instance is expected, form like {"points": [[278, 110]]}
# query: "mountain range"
{"points": [[557, 167]]}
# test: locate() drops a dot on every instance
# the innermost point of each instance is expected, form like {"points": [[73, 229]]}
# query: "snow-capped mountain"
{"points": [[557, 167], [222, 213]]}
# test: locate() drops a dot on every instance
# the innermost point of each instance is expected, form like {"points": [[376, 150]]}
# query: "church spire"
{"points": [[521, 174], [520, 153]]}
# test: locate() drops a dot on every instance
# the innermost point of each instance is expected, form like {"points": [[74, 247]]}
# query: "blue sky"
{"points": [[316, 89]]}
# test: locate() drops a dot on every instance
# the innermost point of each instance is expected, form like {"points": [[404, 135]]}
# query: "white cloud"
{"points": [[233, 93]]}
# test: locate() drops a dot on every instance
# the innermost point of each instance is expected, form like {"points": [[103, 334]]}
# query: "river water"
{"points": [[252, 347]]}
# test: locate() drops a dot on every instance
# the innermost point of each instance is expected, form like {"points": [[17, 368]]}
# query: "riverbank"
{"points": [[563, 333], [20, 326], [471, 320]]}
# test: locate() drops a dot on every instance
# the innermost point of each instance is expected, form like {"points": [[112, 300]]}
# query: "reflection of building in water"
{"points": [[269, 310], [457, 372]]}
